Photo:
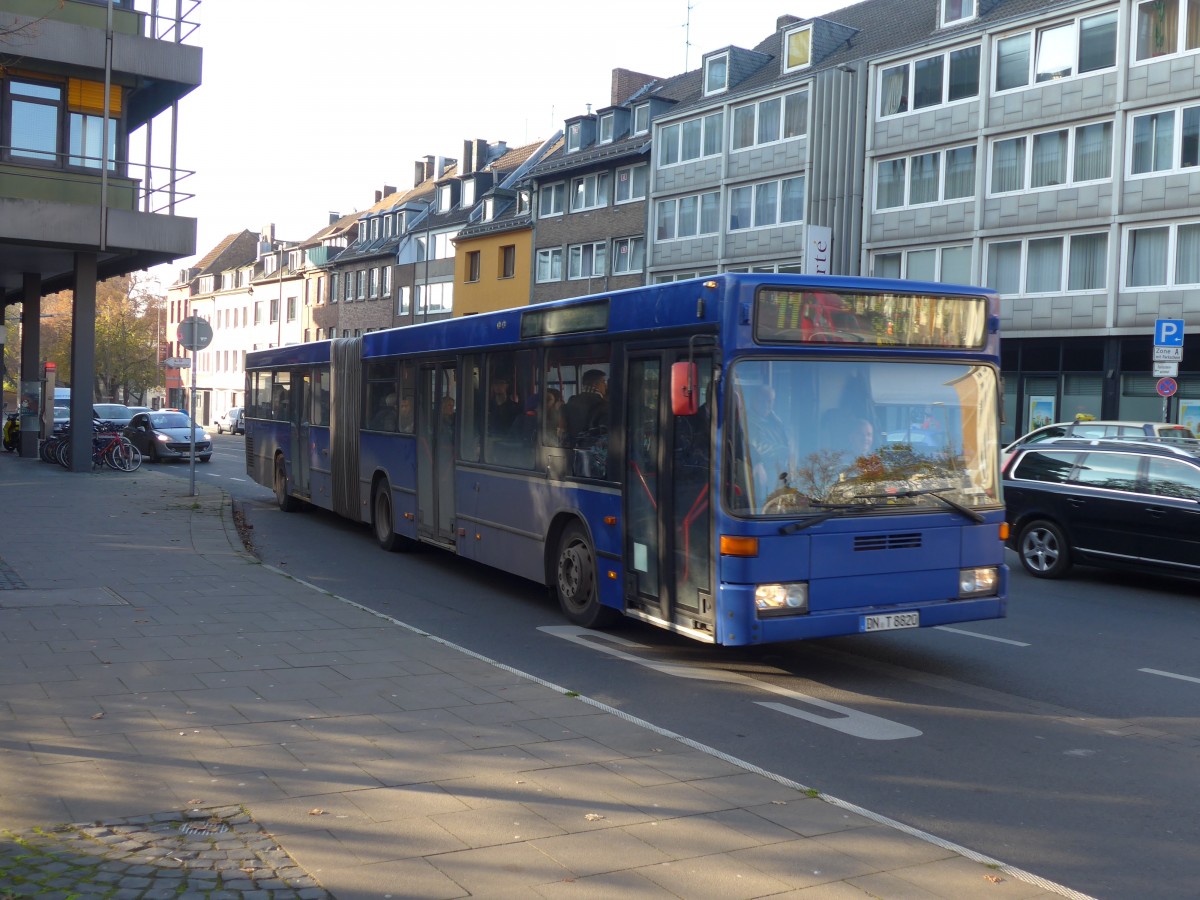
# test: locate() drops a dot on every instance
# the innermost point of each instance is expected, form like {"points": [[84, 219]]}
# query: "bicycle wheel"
{"points": [[62, 454], [123, 456]]}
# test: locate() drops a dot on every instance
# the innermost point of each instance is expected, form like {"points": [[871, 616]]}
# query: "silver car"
{"points": [[168, 434]]}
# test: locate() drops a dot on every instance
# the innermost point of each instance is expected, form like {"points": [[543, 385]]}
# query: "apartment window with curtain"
{"points": [[629, 255], [472, 265], [1052, 159], [930, 81], [1165, 27], [1064, 50], [508, 261], [1163, 256], [1050, 264]]}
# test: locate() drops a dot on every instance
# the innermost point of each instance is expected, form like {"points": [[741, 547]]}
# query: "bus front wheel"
{"points": [[285, 501], [575, 581], [384, 523]]}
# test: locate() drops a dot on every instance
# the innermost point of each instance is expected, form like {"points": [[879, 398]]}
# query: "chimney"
{"points": [[785, 20], [443, 163], [428, 167], [388, 190], [626, 83], [481, 154], [468, 165], [378, 196], [418, 173]]}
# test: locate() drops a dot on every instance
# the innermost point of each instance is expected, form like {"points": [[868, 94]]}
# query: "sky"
{"points": [[307, 108]]}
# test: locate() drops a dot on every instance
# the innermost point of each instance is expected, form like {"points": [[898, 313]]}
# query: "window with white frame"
{"points": [[632, 183], [1164, 140], [766, 203], [227, 281], [443, 245], [693, 139], [1075, 47], [206, 282], [797, 48], [925, 178], [930, 81], [1161, 28], [1051, 159], [385, 287], [1050, 264], [641, 118], [587, 260], [574, 136], [948, 264], [374, 286], [403, 300], [375, 228], [468, 191], [524, 201], [629, 255], [550, 264], [361, 277], [685, 217], [955, 11], [551, 199], [437, 297], [606, 128], [589, 191], [387, 226], [348, 284], [767, 121], [445, 196], [716, 74], [1163, 256]]}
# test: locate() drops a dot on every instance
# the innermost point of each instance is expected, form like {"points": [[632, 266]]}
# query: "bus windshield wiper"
{"points": [[936, 494], [830, 511]]}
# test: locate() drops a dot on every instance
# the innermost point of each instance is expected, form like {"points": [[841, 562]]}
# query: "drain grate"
{"points": [[204, 828]]}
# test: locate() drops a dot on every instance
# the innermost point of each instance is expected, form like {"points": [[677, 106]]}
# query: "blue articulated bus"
{"points": [[741, 459]]}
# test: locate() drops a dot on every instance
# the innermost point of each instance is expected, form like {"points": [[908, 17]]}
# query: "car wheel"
{"points": [[154, 457], [575, 581], [1043, 549], [205, 458], [219, 429]]}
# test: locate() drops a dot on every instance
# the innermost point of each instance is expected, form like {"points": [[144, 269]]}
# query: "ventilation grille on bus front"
{"points": [[910, 541]]}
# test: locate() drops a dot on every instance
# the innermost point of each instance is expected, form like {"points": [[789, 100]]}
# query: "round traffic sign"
{"points": [[194, 333], [1166, 387]]}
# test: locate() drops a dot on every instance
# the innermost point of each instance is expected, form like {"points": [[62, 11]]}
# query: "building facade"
{"points": [[76, 206]]}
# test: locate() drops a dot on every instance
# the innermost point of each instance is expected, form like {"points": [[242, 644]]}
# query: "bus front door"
{"points": [[436, 420], [668, 471]]}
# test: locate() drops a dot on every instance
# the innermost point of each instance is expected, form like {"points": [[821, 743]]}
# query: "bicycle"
{"points": [[108, 448]]}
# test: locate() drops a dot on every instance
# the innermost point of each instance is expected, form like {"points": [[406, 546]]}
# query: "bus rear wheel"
{"points": [[285, 501], [575, 581], [383, 520]]}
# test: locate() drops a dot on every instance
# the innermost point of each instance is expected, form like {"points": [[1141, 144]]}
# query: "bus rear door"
{"points": [[436, 428], [668, 512]]}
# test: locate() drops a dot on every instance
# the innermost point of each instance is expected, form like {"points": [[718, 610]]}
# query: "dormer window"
{"points": [[797, 48], [955, 11], [607, 123], [387, 226], [445, 198], [468, 191], [641, 118], [489, 209], [574, 136], [523, 201], [716, 74], [375, 229]]}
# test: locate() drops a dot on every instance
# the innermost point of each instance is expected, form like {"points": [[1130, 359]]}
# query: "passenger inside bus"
{"points": [[386, 417], [503, 410]]}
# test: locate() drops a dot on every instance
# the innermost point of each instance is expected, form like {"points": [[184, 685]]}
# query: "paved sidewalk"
{"points": [[177, 720]]}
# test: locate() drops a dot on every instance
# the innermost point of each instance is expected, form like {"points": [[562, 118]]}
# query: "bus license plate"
{"points": [[891, 621]]}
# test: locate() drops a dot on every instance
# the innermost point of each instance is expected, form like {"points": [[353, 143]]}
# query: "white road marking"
{"points": [[1170, 675], [982, 637], [844, 719]]}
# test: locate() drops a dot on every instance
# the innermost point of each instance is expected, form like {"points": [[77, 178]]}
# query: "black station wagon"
{"points": [[1124, 504]]}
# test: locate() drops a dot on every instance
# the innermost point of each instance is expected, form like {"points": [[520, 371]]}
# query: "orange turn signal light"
{"points": [[1004, 531], [734, 545]]}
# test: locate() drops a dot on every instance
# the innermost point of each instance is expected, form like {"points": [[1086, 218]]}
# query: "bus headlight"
{"points": [[781, 599], [980, 582]]}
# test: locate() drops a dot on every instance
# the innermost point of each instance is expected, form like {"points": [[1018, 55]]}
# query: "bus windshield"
{"points": [[808, 436]]}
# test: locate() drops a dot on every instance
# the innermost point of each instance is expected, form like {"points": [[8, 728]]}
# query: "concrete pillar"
{"points": [[83, 361], [31, 342]]}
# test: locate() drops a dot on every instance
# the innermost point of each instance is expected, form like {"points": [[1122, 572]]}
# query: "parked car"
{"points": [[1096, 429], [232, 421], [62, 419], [168, 435], [134, 410], [1118, 503], [117, 413]]}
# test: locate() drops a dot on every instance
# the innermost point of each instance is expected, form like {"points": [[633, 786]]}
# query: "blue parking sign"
{"points": [[1168, 333]]}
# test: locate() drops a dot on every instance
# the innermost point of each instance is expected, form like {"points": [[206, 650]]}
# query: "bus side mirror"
{"points": [[683, 388]]}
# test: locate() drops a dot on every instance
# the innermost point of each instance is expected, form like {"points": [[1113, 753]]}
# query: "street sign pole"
{"points": [[194, 333]]}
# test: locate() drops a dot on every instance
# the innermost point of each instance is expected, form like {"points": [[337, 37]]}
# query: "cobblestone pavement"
{"points": [[217, 854]]}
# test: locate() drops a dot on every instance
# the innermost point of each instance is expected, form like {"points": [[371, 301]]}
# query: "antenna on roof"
{"points": [[687, 35]]}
